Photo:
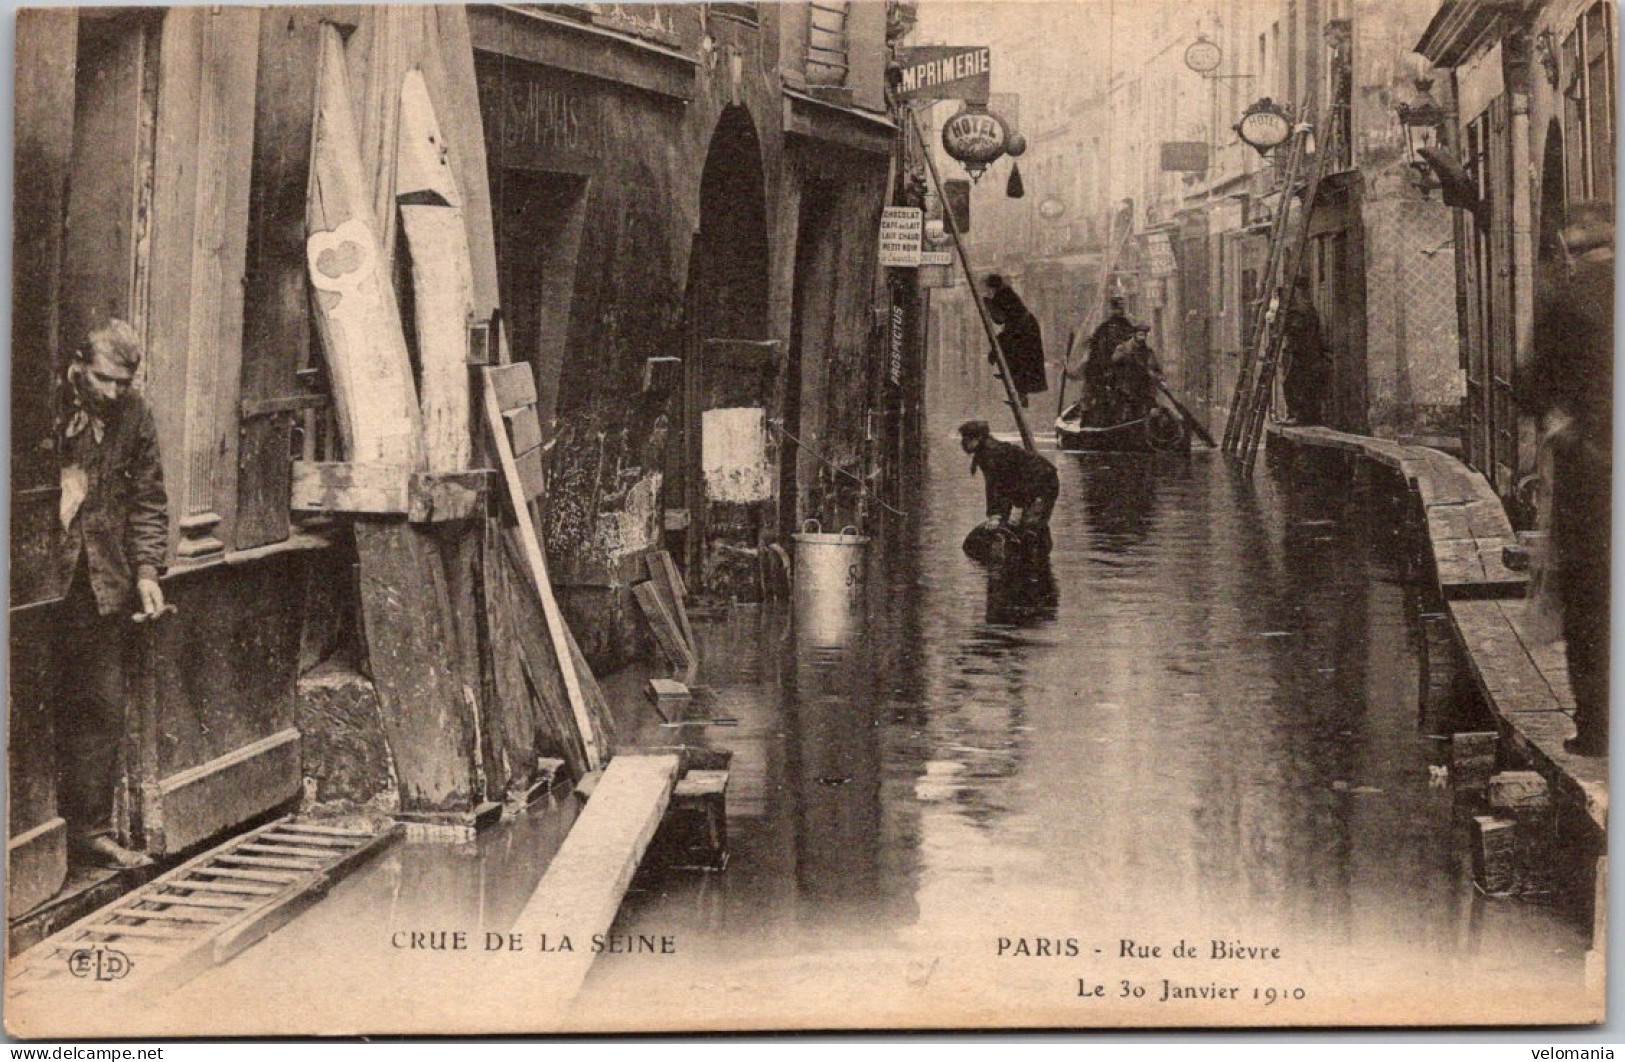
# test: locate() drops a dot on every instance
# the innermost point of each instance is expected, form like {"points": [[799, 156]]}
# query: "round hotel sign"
{"points": [[974, 137], [1264, 126], [1203, 56]]}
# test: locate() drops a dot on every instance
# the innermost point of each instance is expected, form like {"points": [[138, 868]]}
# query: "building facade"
{"points": [[1533, 130], [671, 214], [1147, 144]]}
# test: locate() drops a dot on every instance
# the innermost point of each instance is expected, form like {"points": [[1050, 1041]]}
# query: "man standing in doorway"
{"points": [[1307, 376], [1016, 479], [115, 518]]}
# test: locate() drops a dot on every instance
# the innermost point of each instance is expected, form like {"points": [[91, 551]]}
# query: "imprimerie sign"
{"points": [[945, 72]]}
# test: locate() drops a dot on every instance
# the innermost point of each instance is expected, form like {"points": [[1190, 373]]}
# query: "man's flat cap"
{"points": [[974, 429]]}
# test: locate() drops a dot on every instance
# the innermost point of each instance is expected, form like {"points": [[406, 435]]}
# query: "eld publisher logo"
{"points": [[99, 964]]}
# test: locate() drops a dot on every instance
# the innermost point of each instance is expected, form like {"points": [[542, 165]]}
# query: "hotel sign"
{"points": [[945, 72]]}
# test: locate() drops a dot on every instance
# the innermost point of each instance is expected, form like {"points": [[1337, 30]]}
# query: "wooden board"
{"points": [[351, 487], [598, 713], [581, 892], [502, 381], [513, 385], [533, 710], [431, 208], [357, 318], [1498, 660], [276, 307], [436, 497], [411, 643], [663, 567], [663, 627]]}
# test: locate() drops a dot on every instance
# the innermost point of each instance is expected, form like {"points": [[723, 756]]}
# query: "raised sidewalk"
{"points": [[1523, 680]]}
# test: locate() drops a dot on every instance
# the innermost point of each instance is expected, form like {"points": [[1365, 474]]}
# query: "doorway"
{"points": [[727, 484], [540, 215]]}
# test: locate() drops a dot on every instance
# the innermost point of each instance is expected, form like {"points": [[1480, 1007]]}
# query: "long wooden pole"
{"points": [[1114, 251], [1013, 399]]}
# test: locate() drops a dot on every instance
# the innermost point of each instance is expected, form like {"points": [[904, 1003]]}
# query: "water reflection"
{"points": [[1197, 717], [1022, 594], [1196, 721]]}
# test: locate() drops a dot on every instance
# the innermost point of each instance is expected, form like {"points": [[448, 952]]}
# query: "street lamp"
{"points": [[1422, 119]]}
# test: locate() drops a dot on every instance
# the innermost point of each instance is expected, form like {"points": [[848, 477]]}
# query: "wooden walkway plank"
{"points": [[318, 840], [325, 831], [1448, 522], [233, 888], [582, 890], [216, 902]]}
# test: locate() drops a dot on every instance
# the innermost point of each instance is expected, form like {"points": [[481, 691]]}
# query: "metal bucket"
{"points": [[830, 574]]}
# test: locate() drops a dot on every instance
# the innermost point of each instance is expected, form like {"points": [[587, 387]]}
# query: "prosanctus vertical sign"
{"points": [[945, 72]]}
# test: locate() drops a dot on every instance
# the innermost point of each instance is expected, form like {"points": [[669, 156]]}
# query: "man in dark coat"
{"points": [[1307, 377], [1110, 334], [115, 519], [1016, 478], [1570, 379], [1134, 376], [1019, 337]]}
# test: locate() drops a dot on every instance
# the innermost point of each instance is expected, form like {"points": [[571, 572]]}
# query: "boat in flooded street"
{"points": [[1160, 430]]}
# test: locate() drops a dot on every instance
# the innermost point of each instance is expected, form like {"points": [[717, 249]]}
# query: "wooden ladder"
{"points": [[202, 913], [1256, 381]]}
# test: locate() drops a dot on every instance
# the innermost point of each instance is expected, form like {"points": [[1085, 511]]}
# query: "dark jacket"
{"points": [[1021, 340], [1014, 476], [122, 526], [1103, 343]]}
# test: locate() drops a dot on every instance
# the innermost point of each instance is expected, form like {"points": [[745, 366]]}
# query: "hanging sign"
{"points": [[1264, 126], [1159, 255], [936, 246], [952, 72], [976, 138], [900, 232], [1184, 156]]}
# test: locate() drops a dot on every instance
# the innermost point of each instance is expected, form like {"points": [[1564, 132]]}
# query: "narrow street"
{"points": [[812, 515], [1204, 727]]}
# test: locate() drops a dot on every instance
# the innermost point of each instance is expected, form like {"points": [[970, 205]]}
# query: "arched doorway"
{"points": [[728, 484]]}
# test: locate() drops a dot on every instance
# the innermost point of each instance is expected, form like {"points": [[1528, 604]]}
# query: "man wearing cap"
{"points": [[1015, 478], [1135, 372], [115, 522]]}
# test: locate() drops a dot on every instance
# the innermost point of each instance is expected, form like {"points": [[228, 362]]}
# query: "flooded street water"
{"points": [[1196, 733], [1200, 725]]}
